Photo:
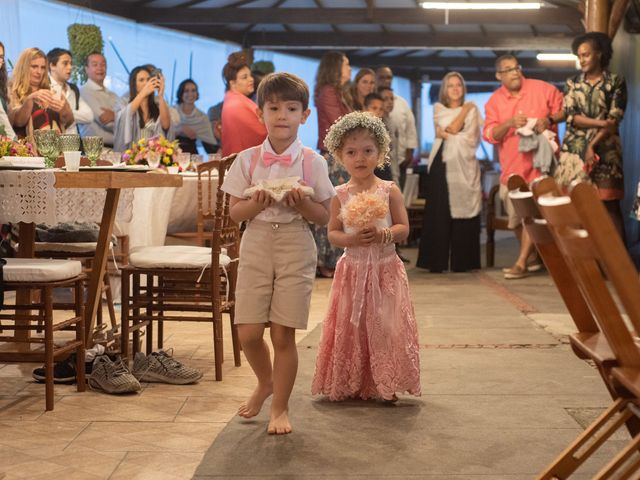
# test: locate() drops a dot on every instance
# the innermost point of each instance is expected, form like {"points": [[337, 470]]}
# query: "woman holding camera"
{"points": [[147, 114]]}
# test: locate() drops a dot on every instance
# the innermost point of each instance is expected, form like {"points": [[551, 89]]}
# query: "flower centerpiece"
{"points": [[363, 209], [15, 148], [153, 150]]}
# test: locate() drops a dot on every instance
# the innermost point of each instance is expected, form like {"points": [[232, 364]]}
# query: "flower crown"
{"points": [[352, 121]]}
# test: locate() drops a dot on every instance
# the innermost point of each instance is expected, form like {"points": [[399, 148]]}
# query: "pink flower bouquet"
{"points": [[363, 210]]}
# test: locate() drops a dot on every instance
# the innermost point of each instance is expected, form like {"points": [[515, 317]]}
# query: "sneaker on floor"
{"points": [[162, 367], [516, 272], [63, 372], [112, 377]]}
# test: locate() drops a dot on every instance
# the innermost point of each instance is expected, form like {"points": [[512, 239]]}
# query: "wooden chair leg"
{"points": [[620, 460], [80, 350], [112, 311], [162, 284], [47, 294], [149, 313], [580, 449], [217, 345], [124, 315], [135, 319], [235, 339]]}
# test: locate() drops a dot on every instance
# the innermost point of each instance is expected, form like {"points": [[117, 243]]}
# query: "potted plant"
{"points": [[83, 41]]}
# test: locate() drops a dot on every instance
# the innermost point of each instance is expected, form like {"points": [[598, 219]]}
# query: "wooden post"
{"points": [[597, 16], [618, 9]]}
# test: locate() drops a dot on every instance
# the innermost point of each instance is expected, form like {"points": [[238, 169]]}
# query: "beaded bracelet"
{"points": [[387, 236]]}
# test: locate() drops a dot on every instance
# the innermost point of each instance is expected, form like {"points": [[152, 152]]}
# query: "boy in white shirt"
{"points": [[278, 253], [59, 73]]}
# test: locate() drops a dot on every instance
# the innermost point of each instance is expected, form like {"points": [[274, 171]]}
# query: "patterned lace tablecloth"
{"points": [[31, 196]]}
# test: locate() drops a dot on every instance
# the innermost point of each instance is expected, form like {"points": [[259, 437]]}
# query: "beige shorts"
{"points": [[276, 273], [514, 220]]}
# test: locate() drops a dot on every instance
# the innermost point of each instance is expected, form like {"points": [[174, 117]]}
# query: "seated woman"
{"points": [[146, 114], [32, 105], [194, 124], [241, 127]]}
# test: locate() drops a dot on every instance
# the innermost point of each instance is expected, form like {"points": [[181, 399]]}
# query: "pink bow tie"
{"points": [[270, 158]]}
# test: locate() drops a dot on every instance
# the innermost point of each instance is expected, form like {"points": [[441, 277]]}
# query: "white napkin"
{"points": [[277, 188], [35, 162]]}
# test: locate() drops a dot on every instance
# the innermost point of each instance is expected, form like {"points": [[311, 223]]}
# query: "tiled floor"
{"points": [[160, 433]]}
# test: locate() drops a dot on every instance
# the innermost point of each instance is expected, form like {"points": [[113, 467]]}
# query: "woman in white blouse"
{"points": [[451, 225], [147, 114], [194, 124]]}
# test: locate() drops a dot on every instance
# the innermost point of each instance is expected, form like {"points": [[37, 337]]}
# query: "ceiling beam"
{"points": [[413, 41], [336, 16]]}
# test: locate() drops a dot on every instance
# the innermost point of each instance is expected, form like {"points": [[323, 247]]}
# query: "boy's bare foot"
{"points": [[279, 424], [252, 407]]}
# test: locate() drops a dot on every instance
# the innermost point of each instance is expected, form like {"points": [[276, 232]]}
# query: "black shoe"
{"points": [[63, 372]]}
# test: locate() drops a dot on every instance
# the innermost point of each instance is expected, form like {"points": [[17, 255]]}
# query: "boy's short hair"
{"points": [[371, 97], [54, 55], [283, 86], [384, 89]]}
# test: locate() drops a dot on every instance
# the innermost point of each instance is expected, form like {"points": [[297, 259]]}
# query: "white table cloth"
{"points": [[30, 196]]}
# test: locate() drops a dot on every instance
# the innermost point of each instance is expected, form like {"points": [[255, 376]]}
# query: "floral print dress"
{"points": [[605, 100]]}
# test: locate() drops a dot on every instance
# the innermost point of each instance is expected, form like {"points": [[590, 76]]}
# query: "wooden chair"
{"points": [[44, 276], [494, 222], [185, 279], [588, 241], [206, 207], [85, 252]]}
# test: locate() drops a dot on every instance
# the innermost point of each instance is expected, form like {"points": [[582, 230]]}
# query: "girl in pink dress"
{"points": [[369, 345]]}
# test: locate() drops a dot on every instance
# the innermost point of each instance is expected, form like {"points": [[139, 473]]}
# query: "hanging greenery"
{"points": [[83, 40]]}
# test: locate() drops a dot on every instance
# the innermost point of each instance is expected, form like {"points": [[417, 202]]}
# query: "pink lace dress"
{"points": [[369, 345]]}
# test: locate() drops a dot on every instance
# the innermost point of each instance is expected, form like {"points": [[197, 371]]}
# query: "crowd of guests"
{"points": [[39, 95], [520, 119]]}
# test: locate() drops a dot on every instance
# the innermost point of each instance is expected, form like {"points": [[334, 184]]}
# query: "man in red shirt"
{"points": [[509, 108]]}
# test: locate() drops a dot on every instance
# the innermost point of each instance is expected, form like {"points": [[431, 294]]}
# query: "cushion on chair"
{"points": [[77, 247], [174, 256], [59, 247], [40, 270]]}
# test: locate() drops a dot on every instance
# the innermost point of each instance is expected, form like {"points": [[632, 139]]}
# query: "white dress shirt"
{"points": [[81, 115], [402, 116], [99, 98], [238, 179]]}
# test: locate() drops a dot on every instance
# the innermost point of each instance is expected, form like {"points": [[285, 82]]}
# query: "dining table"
{"points": [[51, 196]]}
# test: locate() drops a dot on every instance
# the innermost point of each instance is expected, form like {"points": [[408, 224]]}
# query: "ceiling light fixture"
{"points": [[556, 57], [482, 5]]}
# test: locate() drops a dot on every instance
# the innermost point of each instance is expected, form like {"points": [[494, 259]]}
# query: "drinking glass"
{"points": [[184, 159], [153, 160], [195, 160], [72, 161], [47, 145], [93, 148], [70, 142]]}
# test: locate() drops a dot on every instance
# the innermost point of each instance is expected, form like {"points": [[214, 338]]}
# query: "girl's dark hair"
{"points": [[236, 62], [154, 110], [4, 87], [599, 41], [181, 88]]}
